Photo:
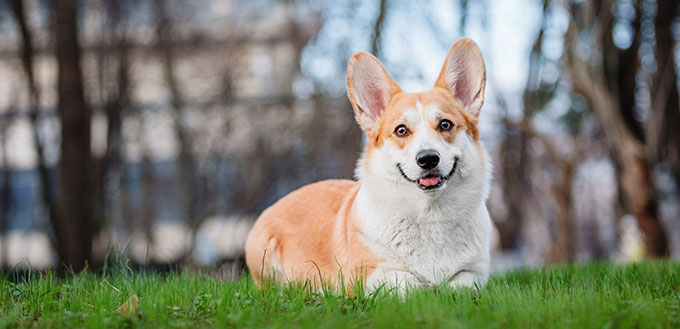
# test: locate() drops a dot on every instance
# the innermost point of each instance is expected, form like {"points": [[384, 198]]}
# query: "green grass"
{"points": [[595, 296]]}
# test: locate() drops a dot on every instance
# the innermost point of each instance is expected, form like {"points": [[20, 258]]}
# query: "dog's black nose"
{"points": [[427, 159]]}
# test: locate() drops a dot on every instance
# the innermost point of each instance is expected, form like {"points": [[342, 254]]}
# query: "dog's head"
{"points": [[420, 140]]}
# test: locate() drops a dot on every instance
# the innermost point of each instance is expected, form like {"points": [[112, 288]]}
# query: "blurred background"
{"points": [[161, 129]]}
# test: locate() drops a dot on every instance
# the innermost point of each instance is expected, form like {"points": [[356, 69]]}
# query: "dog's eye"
{"points": [[401, 131], [445, 125]]}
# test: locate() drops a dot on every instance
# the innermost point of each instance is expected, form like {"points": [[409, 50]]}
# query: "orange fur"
{"points": [[311, 231]]}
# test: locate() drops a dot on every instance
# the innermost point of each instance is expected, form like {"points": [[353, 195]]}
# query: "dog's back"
{"points": [[305, 234]]}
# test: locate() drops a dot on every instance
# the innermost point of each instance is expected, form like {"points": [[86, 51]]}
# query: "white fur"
{"points": [[426, 237]]}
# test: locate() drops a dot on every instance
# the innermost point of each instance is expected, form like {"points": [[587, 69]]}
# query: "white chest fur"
{"points": [[429, 244], [428, 238]]}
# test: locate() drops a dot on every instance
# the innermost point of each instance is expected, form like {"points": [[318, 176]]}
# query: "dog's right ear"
{"points": [[370, 89]]}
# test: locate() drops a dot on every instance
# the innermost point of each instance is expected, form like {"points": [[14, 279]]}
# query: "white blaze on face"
{"points": [[424, 137], [421, 120]]}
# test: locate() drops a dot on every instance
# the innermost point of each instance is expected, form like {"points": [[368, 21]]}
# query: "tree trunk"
{"points": [[636, 183], [663, 135], [513, 157], [5, 200], [116, 98], [74, 228], [564, 248], [149, 190], [639, 197], [187, 162], [27, 55], [565, 230], [377, 29]]}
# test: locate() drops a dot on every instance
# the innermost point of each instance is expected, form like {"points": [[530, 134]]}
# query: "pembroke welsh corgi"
{"points": [[416, 214]]}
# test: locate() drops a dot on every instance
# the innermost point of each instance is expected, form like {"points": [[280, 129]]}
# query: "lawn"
{"points": [[601, 295]]}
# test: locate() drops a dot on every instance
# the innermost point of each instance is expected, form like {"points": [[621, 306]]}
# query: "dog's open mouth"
{"points": [[431, 180]]}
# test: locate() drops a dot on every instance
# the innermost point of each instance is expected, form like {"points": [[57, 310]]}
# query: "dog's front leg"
{"points": [[469, 279], [391, 280]]}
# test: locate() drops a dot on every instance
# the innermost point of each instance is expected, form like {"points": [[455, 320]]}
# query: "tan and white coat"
{"points": [[385, 228]]}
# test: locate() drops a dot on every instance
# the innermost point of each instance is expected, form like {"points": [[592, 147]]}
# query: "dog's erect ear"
{"points": [[464, 75], [369, 87]]}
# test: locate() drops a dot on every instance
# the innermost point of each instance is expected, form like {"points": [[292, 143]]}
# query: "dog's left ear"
{"points": [[464, 75]]}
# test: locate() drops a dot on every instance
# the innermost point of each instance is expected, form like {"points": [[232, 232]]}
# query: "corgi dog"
{"points": [[416, 214]]}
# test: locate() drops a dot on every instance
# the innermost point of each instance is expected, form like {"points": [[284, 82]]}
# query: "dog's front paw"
{"points": [[468, 279], [392, 281]]}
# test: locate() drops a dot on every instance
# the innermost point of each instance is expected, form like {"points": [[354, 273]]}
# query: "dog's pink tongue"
{"points": [[430, 181]]}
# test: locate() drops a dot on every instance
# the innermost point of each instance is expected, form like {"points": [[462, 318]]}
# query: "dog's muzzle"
{"points": [[431, 179]]}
